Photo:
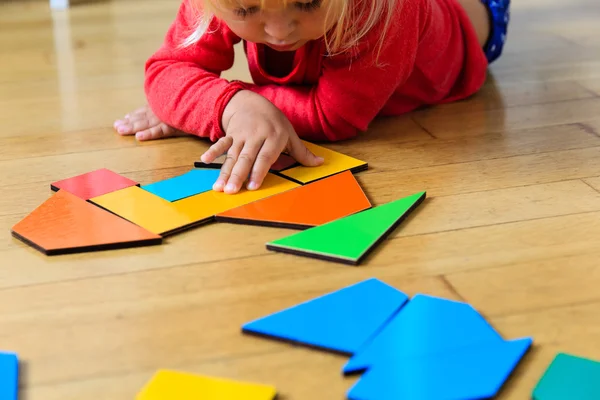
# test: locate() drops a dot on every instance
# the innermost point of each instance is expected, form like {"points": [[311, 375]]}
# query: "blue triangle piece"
{"points": [[477, 372], [189, 184], [341, 321], [9, 376], [426, 325]]}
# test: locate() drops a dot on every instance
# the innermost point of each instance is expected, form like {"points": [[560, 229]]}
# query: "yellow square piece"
{"points": [[145, 209], [335, 162], [210, 203], [174, 385]]}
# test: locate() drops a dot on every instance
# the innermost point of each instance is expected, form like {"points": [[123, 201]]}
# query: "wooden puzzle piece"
{"points": [[208, 204], [306, 206], [348, 240], [93, 184], [335, 162], [65, 223], [340, 321], [569, 377], [473, 372], [9, 376], [282, 163], [148, 211], [166, 218], [425, 326], [175, 385], [189, 184]]}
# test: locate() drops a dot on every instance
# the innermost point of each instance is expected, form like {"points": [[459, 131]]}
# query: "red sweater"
{"points": [[431, 56]]}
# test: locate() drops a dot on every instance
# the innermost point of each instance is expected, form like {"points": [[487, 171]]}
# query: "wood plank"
{"points": [[144, 326], [533, 286], [592, 84], [448, 125], [594, 182]]}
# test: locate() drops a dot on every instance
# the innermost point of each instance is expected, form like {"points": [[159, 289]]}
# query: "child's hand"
{"points": [[145, 125], [256, 133]]}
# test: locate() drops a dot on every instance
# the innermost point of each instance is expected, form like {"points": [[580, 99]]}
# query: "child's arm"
{"points": [[183, 85]]}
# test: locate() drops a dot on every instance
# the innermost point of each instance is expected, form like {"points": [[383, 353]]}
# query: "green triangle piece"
{"points": [[348, 240], [569, 377]]}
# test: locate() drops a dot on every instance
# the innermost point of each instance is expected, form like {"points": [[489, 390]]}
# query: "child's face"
{"points": [[281, 27]]}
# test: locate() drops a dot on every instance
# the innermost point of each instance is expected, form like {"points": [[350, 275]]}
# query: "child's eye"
{"points": [[243, 12], [313, 5]]}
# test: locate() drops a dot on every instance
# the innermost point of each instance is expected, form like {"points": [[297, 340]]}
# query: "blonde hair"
{"points": [[355, 19]]}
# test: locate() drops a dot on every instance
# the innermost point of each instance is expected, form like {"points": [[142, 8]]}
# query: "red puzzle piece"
{"points": [[93, 184]]}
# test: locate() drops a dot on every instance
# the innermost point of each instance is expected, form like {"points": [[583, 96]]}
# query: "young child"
{"points": [[321, 70]]}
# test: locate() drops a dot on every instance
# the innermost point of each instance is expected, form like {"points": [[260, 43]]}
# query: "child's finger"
{"points": [[216, 150], [243, 166], [156, 132], [300, 152], [232, 155], [268, 154]]}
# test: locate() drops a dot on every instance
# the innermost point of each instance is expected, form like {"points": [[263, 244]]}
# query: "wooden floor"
{"points": [[512, 223]]}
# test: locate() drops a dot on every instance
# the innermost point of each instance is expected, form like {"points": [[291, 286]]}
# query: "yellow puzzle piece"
{"points": [[335, 162], [164, 217], [174, 385]]}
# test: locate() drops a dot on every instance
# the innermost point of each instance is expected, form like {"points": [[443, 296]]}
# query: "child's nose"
{"points": [[279, 28]]}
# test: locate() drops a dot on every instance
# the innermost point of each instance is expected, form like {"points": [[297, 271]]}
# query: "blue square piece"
{"points": [[189, 184], [9, 376], [427, 325], [341, 321], [473, 372]]}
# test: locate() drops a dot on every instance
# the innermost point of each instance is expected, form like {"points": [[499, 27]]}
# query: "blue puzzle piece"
{"points": [[340, 321], [9, 376], [189, 184], [477, 372], [427, 325]]}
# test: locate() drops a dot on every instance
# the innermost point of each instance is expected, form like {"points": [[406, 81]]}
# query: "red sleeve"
{"points": [[183, 85], [351, 92]]}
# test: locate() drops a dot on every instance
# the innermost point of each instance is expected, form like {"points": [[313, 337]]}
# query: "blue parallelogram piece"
{"points": [[340, 321], [426, 326], [474, 372], [9, 376], [189, 184]]}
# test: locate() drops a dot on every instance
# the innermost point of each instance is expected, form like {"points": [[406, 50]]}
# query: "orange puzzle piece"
{"points": [[65, 223], [306, 206]]}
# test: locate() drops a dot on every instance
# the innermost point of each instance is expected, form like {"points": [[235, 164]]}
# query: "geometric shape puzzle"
{"points": [[472, 372], [64, 223], [340, 321], [147, 210], [306, 206], [283, 162], [334, 162], [349, 239], [425, 327], [178, 187], [175, 385], [93, 184], [208, 204], [9, 376], [569, 377]]}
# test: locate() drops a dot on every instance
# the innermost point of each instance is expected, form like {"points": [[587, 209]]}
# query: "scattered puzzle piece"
{"points": [[283, 162], [166, 218], [569, 377], [175, 385], [335, 162], [341, 321], [65, 223], [349, 239], [189, 184], [93, 184], [9, 376], [147, 210], [426, 326], [472, 372], [306, 206]]}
